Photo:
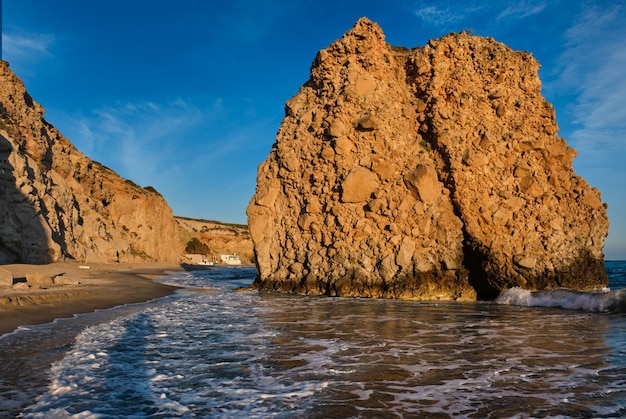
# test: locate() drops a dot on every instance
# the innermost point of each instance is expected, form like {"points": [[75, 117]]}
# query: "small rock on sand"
{"points": [[6, 278]]}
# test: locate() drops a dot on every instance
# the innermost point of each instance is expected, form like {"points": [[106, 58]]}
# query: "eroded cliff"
{"points": [[57, 204], [431, 173]]}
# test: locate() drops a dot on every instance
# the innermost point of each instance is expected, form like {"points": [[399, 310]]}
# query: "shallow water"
{"points": [[227, 354]]}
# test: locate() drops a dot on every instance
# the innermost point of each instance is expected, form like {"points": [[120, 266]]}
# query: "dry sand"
{"points": [[77, 288]]}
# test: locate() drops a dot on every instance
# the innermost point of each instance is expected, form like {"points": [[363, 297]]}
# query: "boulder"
{"points": [[6, 279], [39, 280], [358, 185]]}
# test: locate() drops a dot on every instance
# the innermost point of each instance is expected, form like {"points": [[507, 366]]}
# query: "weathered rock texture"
{"points": [[57, 204], [431, 173]]}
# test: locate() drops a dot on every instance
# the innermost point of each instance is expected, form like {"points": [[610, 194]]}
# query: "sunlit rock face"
{"points": [[427, 174], [56, 204]]}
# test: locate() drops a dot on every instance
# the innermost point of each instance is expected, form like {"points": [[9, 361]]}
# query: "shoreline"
{"points": [[77, 288]]}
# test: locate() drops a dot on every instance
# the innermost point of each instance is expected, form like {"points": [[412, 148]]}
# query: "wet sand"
{"points": [[77, 288]]}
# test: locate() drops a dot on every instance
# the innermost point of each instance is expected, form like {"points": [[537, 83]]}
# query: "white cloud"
{"points": [[592, 70], [601, 104], [189, 153], [592, 66], [438, 16], [25, 45], [598, 146], [448, 12], [442, 13], [522, 9], [141, 141], [591, 37]]}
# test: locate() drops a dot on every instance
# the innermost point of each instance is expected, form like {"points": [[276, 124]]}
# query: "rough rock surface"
{"points": [[56, 204], [431, 173]]}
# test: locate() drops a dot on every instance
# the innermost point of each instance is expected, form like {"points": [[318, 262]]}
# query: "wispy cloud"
{"points": [[22, 45], [142, 141], [189, 152], [522, 9], [439, 15], [448, 12], [443, 13], [592, 66]]}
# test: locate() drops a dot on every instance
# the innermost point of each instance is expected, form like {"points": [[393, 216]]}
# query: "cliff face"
{"points": [[432, 173], [58, 204]]}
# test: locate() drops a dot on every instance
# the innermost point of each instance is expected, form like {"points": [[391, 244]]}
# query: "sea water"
{"points": [[222, 354]]}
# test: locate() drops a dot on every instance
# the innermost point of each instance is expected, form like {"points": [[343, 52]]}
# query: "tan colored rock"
{"points": [[337, 128], [358, 185], [436, 174], [343, 146], [364, 85], [523, 201], [422, 181], [367, 123], [38, 280], [58, 204], [6, 278]]}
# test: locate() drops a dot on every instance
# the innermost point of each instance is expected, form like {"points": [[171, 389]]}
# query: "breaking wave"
{"points": [[224, 354], [603, 301]]}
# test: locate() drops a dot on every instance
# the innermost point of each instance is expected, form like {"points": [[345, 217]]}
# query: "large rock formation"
{"points": [[431, 173], [56, 204]]}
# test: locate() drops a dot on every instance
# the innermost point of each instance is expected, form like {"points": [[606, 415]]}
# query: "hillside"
{"points": [[221, 238], [59, 205]]}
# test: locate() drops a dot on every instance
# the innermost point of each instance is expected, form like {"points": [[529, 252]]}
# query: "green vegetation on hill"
{"points": [[195, 246]]}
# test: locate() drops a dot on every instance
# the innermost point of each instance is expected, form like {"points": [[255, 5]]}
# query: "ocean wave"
{"points": [[602, 301]]}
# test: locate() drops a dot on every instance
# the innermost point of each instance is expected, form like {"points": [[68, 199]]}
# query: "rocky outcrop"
{"points": [[431, 173], [56, 204]]}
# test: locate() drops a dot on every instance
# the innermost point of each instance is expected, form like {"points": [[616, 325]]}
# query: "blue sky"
{"points": [[187, 95]]}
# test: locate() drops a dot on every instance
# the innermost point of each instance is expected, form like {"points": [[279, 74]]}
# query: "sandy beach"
{"points": [[43, 293]]}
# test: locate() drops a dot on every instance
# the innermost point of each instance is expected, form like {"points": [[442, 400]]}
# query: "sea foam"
{"points": [[228, 354], [595, 301]]}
